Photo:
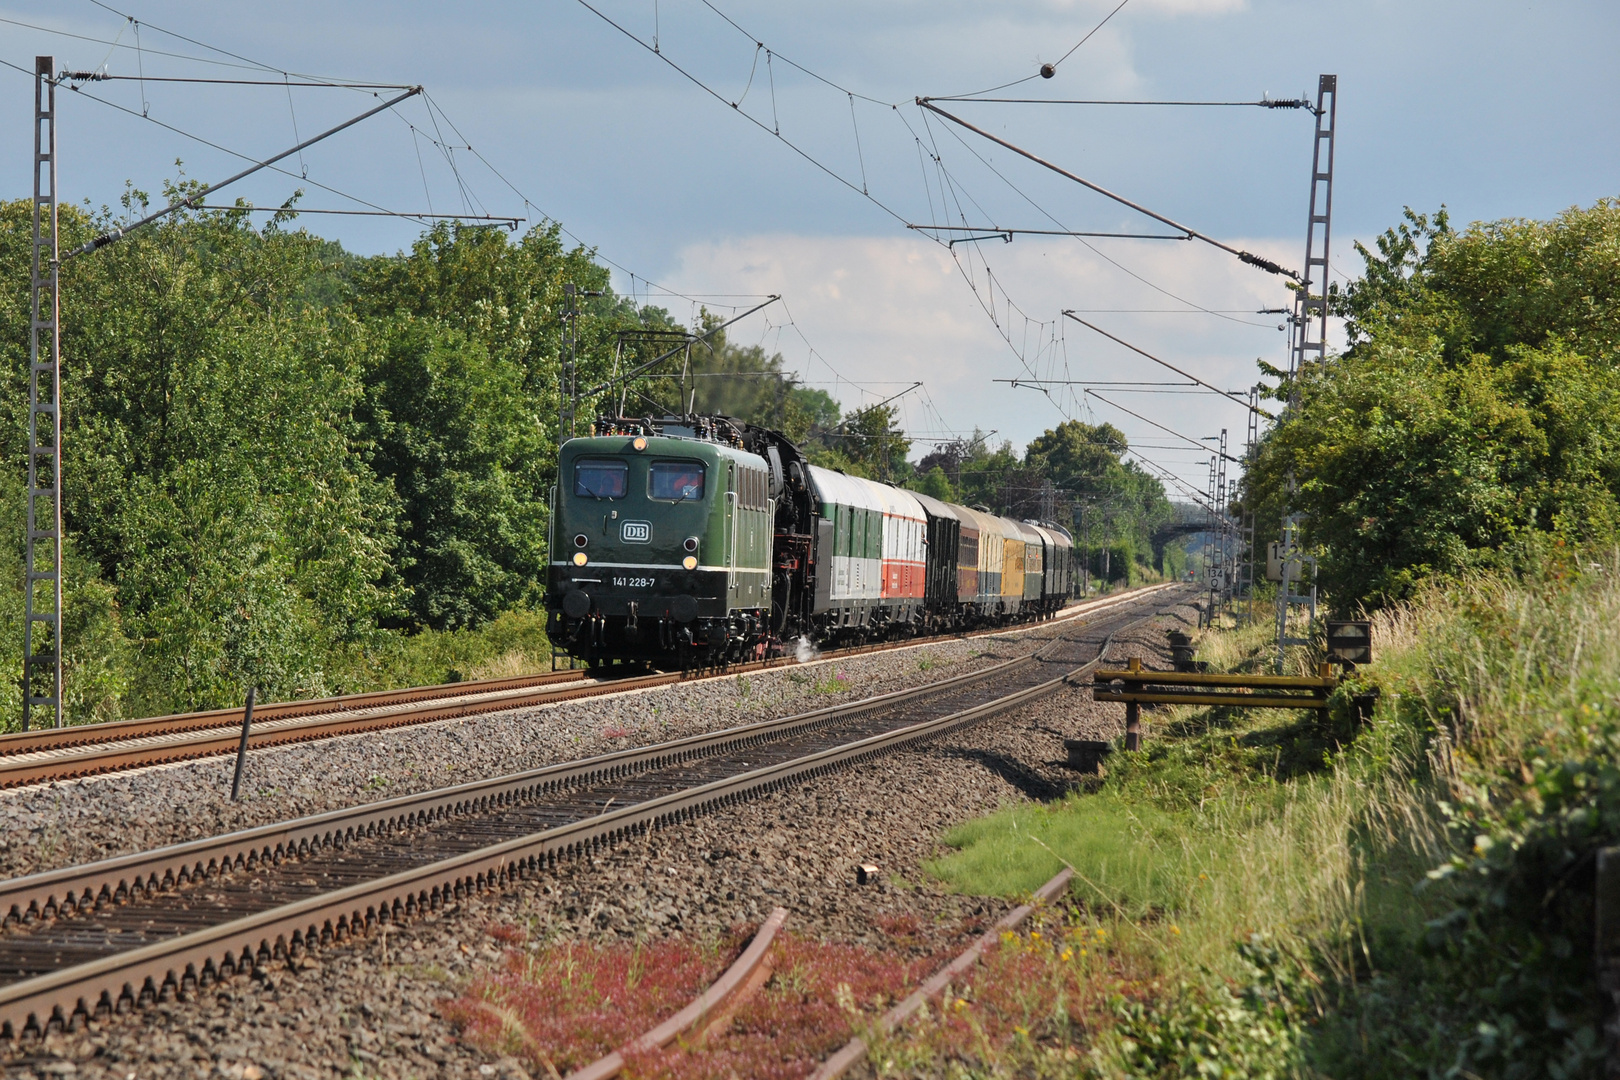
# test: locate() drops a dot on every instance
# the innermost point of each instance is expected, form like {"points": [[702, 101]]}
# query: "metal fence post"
{"points": [[241, 750], [1133, 714]]}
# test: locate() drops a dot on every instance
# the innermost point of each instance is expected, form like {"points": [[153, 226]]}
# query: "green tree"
{"points": [[215, 475], [936, 484], [464, 336], [1475, 420]]}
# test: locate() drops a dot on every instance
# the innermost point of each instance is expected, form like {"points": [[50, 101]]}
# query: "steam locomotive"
{"points": [[704, 540]]}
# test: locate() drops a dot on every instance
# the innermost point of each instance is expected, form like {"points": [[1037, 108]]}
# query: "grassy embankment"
{"points": [[513, 643], [1260, 894]]}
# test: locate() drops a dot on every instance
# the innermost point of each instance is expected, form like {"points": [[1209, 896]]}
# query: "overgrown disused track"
{"points": [[105, 936], [36, 757]]}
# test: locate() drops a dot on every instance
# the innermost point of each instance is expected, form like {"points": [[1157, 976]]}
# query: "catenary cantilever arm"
{"points": [[1246, 256], [191, 201]]}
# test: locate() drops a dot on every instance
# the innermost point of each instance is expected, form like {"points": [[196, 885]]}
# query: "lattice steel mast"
{"points": [[42, 622], [42, 568], [1310, 308], [1309, 340]]}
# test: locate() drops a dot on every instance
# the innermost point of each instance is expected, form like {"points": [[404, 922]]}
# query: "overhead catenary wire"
{"points": [[1263, 103], [509, 222], [1103, 255], [1161, 427], [1192, 493], [121, 45], [379, 210], [1248, 257], [649, 365], [295, 79], [1048, 70], [101, 76], [995, 299], [990, 301], [1165, 363], [790, 144], [997, 230], [213, 145]]}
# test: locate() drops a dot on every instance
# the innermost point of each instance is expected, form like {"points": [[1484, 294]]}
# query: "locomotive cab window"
{"points": [[601, 478], [678, 481]]}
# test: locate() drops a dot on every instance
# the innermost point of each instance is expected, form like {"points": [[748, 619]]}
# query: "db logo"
{"points": [[636, 532]]}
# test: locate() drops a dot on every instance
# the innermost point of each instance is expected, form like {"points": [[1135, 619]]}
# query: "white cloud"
{"points": [[885, 311]]}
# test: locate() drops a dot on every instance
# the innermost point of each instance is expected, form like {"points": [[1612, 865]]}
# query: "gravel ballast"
{"points": [[371, 1009], [77, 821]]}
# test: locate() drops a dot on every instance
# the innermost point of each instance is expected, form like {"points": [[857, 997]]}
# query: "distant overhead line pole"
{"points": [[42, 558], [659, 359]]}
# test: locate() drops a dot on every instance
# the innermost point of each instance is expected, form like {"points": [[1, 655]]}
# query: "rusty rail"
{"points": [[23, 742], [56, 892], [738, 980], [854, 1050]]}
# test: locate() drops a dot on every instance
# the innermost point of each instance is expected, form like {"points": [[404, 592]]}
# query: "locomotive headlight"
{"points": [[690, 543], [639, 442], [690, 562], [579, 558], [580, 540]]}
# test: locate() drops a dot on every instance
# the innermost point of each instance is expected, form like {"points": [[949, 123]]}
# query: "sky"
{"points": [[767, 148]]}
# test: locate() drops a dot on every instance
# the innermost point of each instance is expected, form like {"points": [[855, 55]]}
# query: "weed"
{"points": [[570, 1004], [836, 683], [1410, 896], [565, 1005]]}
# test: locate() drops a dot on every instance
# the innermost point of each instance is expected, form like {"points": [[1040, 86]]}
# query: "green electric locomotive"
{"points": [[661, 545]]}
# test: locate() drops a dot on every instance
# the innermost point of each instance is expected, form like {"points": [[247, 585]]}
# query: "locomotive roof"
{"points": [[659, 444]]}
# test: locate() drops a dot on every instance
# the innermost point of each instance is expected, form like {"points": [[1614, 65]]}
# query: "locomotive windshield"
{"points": [[601, 478], [677, 480]]}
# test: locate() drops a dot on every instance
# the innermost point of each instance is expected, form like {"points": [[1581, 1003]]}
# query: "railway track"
{"points": [[37, 757], [106, 936]]}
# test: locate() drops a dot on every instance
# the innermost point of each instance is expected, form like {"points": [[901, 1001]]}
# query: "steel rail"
{"points": [[854, 1050], [67, 753], [739, 980], [124, 979], [22, 742], [54, 892]]}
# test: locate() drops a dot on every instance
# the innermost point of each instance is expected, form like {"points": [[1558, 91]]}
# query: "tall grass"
{"points": [[1421, 883], [514, 643]]}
